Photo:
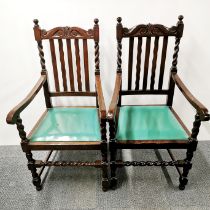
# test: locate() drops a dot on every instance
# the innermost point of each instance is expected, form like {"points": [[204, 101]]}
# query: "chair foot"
{"points": [[183, 182], [113, 183], [39, 188], [181, 187], [37, 183], [105, 184]]}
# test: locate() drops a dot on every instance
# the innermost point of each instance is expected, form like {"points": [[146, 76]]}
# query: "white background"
{"points": [[19, 61]]}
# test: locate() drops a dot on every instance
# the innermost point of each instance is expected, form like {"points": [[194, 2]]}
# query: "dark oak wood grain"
{"points": [[146, 63], [143, 92], [115, 96], [72, 93], [138, 63], [60, 145], [130, 62], [86, 66], [154, 63], [101, 103], [54, 63], [162, 64], [150, 30], [63, 68], [79, 82], [66, 33], [71, 72]]}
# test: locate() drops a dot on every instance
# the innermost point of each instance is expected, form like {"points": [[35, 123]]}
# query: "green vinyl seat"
{"points": [[68, 124], [149, 123]]}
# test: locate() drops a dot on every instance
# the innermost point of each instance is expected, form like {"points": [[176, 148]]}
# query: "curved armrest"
{"points": [[13, 114], [201, 109], [115, 97], [101, 103]]}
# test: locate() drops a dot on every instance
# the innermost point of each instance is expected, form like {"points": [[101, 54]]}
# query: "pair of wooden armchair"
{"points": [[131, 127]]}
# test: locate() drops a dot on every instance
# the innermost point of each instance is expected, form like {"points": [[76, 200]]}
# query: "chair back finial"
{"points": [[181, 17], [96, 21], [180, 27], [119, 20], [36, 22]]}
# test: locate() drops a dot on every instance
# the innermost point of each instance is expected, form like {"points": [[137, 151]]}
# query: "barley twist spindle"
{"points": [[20, 128], [97, 61]]}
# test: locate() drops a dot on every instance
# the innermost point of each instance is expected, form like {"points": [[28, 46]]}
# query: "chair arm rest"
{"points": [[201, 109], [115, 96], [101, 103], [13, 114]]}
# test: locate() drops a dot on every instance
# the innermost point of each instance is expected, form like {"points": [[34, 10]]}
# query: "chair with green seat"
{"points": [[66, 128], [151, 126]]}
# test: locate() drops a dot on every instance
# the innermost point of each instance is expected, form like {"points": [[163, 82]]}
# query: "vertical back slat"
{"points": [[130, 62], [86, 66], [54, 63], [146, 63], [71, 73], [162, 65], [154, 62], [138, 64], [63, 69], [76, 42]]}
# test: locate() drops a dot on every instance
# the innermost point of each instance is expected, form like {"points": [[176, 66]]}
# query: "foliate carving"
{"points": [[150, 30], [67, 33]]}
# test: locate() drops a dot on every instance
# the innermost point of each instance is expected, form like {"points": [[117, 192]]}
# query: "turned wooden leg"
{"points": [[105, 180], [113, 153], [31, 166], [192, 147], [183, 179], [104, 167]]}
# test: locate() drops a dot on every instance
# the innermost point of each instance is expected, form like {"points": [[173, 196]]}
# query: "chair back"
{"points": [[143, 72], [71, 76]]}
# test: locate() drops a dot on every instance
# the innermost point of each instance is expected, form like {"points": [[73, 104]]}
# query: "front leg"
{"points": [[31, 166], [105, 180], [183, 180], [192, 147], [31, 162], [113, 152]]}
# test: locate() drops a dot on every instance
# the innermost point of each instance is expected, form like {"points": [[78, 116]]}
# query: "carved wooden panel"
{"points": [[150, 30], [67, 33]]}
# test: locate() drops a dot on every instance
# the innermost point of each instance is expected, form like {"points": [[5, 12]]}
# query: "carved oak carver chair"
{"points": [[65, 128], [151, 127]]}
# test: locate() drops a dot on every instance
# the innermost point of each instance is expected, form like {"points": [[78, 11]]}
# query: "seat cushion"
{"points": [[149, 123], [68, 124]]}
